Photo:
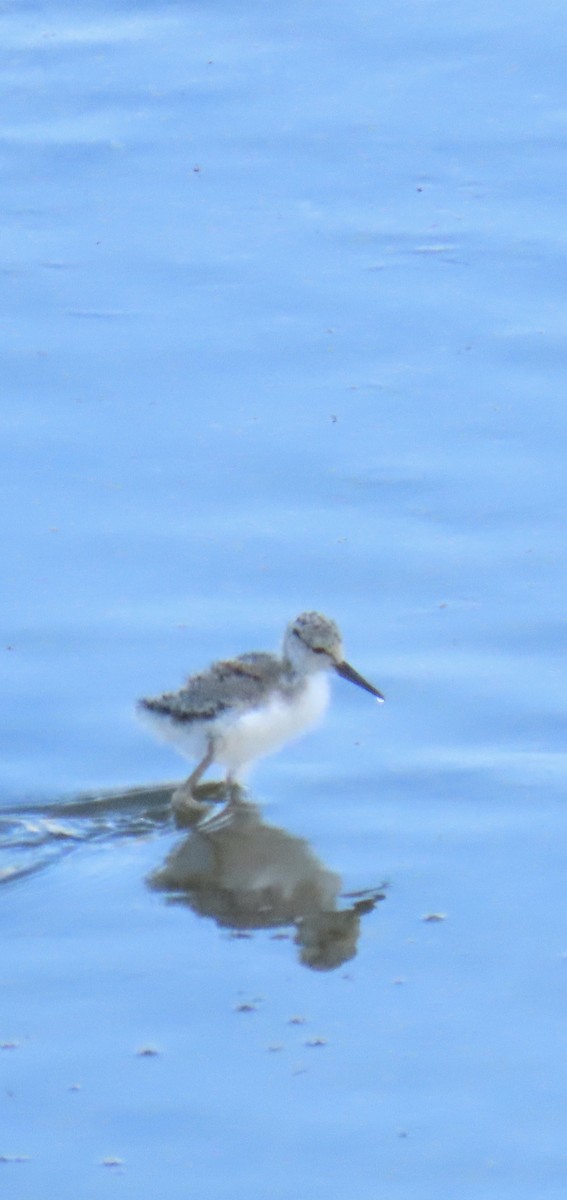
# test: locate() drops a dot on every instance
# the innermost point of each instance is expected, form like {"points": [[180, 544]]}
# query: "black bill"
{"points": [[347, 672]]}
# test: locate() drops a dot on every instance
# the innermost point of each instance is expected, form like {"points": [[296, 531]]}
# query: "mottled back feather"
{"points": [[234, 683]]}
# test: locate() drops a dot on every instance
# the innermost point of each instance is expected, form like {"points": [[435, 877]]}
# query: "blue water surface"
{"points": [[283, 327]]}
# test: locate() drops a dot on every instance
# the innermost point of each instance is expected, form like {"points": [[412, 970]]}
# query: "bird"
{"points": [[242, 709]]}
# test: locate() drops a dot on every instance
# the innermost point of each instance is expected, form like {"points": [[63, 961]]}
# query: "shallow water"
{"points": [[283, 322]]}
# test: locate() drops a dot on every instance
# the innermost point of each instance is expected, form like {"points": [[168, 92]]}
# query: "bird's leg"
{"points": [[235, 790], [200, 768], [185, 794]]}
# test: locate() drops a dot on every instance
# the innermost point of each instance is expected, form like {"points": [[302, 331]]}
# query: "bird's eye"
{"points": [[314, 649]]}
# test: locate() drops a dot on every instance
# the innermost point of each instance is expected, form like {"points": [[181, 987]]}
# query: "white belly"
{"points": [[241, 737], [255, 734]]}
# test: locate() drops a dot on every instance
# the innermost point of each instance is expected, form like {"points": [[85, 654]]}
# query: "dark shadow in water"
{"points": [[232, 866], [248, 875]]}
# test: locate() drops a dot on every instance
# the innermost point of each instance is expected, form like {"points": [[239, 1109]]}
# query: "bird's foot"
{"points": [[191, 802], [187, 810]]}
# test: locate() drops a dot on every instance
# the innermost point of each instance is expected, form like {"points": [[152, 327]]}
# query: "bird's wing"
{"points": [[242, 682]]}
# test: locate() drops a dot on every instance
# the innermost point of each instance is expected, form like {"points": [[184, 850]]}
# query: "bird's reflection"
{"points": [[247, 874], [232, 865]]}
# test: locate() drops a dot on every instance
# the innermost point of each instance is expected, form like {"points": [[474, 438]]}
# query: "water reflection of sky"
{"points": [[283, 325]]}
